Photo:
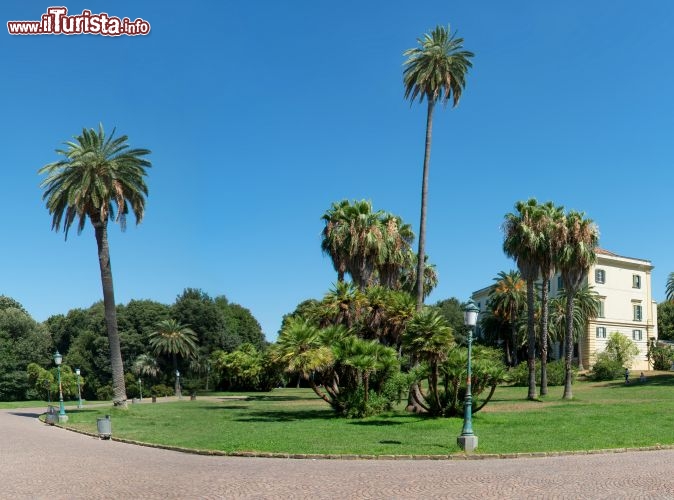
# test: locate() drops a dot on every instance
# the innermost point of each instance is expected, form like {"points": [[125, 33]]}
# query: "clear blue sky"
{"points": [[261, 113]]}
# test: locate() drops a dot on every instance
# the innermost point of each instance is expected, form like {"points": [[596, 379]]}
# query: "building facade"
{"points": [[627, 306]]}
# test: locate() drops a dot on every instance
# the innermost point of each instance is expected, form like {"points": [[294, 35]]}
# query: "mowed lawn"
{"points": [[601, 416]]}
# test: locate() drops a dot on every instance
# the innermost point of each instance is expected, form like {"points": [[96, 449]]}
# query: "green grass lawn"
{"points": [[602, 415]]}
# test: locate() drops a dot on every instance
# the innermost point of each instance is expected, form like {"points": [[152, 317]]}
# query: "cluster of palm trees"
{"points": [[357, 345], [543, 240], [372, 247]]}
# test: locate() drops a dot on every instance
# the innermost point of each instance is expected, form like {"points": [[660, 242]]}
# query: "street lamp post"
{"points": [[467, 440], [79, 389], [140, 388], [180, 395], [58, 359]]}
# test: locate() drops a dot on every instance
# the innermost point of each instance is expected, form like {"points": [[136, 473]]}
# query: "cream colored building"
{"points": [[627, 306]]}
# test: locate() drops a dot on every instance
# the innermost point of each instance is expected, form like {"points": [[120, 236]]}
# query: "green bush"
{"points": [[160, 390], [606, 368], [661, 356], [519, 375], [104, 393]]}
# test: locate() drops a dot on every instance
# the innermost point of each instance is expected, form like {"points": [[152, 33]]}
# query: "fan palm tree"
{"points": [[354, 238], [303, 351], [577, 254], [101, 179], [397, 254], [435, 70], [551, 218], [507, 300], [368, 357], [175, 339], [522, 239], [428, 337], [587, 303]]}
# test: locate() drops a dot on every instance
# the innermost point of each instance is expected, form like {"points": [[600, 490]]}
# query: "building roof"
{"points": [[602, 251]]}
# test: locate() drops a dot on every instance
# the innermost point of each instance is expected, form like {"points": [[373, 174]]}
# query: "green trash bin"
{"points": [[104, 427]]}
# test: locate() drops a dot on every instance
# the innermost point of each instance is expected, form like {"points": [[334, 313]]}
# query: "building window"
{"points": [[636, 281], [637, 312], [600, 276], [560, 283], [636, 334], [600, 309], [601, 332]]}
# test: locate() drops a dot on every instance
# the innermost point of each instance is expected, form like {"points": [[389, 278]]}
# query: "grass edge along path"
{"points": [[290, 423]]}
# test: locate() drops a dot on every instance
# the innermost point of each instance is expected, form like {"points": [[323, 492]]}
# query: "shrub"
{"points": [[606, 368], [519, 375], [104, 393], [160, 390], [661, 356]]}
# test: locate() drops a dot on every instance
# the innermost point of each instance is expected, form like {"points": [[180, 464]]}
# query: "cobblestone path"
{"points": [[39, 461]]}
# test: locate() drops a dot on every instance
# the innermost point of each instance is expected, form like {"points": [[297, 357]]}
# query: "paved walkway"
{"points": [[39, 461]]}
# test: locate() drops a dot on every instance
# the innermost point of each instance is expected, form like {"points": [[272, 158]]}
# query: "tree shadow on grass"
{"points": [[280, 398], [287, 416]]}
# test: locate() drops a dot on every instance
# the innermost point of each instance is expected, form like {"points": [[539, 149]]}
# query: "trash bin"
{"points": [[50, 417], [104, 427]]}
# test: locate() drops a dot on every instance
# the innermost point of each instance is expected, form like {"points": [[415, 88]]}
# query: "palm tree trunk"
{"points": [[544, 337], [116, 364], [531, 339], [568, 345], [424, 199]]}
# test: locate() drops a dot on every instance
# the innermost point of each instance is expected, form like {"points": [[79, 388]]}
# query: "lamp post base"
{"points": [[63, 419], [467, 443]]}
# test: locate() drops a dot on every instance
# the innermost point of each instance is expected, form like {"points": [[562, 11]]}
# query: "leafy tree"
{"points": [[174, 339], [666, 320], [621, 349], [574, 260], [95, 175], [435, 70], [196, 308], [240, 321], [669, 287]]}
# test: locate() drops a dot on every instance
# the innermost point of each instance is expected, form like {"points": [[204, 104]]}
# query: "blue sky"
{"points": [[260, 114]]}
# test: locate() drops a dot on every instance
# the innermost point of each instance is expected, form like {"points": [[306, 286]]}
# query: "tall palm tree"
{"points": [[550, 221], [521, 242], [577, 254], [175, 339], [508, 300], [435, 70], [99, 178]]}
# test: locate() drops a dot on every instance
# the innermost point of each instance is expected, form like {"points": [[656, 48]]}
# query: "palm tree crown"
{"points": [[173, 338], [95, 175], [436, 69]]}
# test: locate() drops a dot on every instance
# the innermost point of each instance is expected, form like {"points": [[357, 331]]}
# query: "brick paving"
{"points": [[39, 461]]}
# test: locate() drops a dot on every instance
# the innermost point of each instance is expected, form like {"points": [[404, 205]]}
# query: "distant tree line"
{"points": [[80, 335]]}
